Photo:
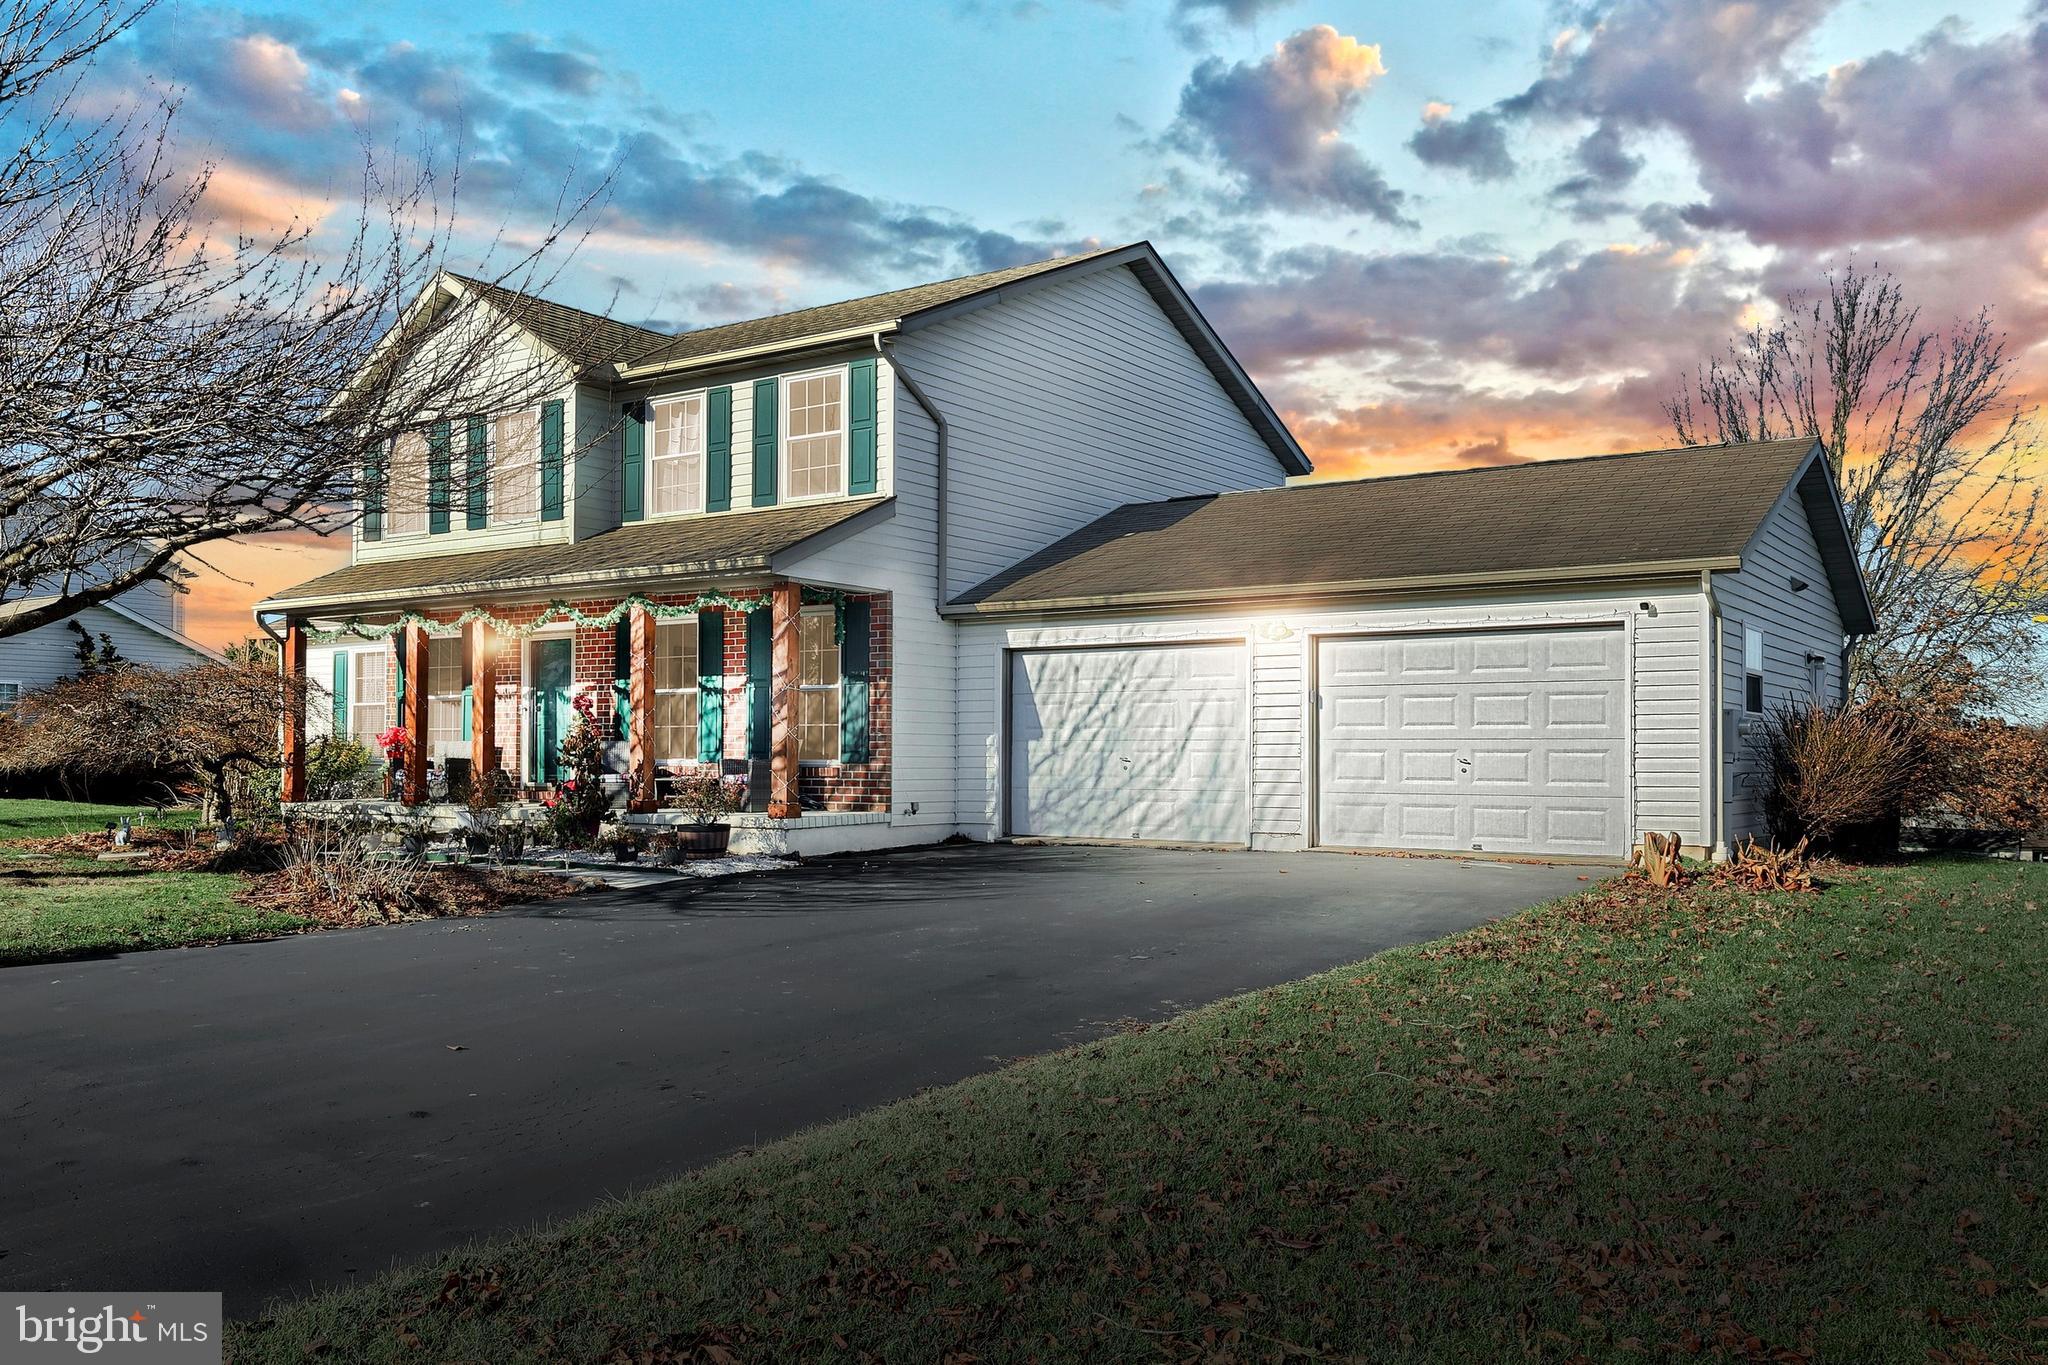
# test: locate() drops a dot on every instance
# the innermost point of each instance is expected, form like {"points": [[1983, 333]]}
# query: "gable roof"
{"points": [[149, 623], [720, 543], [637, 353], [1666, 511], [582, 338]]}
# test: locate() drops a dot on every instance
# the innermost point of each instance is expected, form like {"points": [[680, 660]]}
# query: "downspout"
{"points": [[1711, 646], [938, 425]]}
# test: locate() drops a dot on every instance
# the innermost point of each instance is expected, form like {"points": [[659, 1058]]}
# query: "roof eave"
{"points": [[629, 374], [499, 587], [1363, 587]]}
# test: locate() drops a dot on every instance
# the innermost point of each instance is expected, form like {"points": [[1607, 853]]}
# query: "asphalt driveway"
{"points": [[270, 1117]]}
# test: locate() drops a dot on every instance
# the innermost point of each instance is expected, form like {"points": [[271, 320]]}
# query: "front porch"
{"points": [[780, 685]]}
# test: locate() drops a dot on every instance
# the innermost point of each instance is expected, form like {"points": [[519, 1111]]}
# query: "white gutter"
{"points": [[809, 342], [944, 445]]}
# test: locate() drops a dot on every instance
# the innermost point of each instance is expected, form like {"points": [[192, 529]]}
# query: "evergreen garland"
{"points": [[559, 610]]}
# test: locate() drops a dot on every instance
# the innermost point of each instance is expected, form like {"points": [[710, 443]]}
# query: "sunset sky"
{"points": [[1439, 235]]}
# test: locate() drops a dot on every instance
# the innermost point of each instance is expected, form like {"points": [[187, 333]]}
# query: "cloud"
{"points": [[1274, 126], [1491, 452], [527, 57], [1239, 12], [1477, 145]]}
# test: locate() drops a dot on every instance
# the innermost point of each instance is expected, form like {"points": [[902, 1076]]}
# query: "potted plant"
{"points": [[705, 798], [624, 842], [578, 803], [394, 744]]}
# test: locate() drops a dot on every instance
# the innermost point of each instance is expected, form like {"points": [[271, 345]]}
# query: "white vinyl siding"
{"points": [[813, 433], [675, 691], [817, 687], [36, 658], [675, 456], [1801, 630]]}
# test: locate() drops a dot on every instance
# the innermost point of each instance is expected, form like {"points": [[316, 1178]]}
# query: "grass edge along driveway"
{"points": [[1625, 1125]]}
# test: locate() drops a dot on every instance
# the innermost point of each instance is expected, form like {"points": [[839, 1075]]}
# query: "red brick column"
{"points": [[414, 714], [480, 676], [640, 701], [787, 606], [292, 742]]}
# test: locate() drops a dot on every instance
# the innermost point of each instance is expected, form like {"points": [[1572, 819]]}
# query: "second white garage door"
{"points": [[1129, 743], [1497, 741]]}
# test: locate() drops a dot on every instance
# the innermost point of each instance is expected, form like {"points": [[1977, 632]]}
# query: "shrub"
{"points": [[338, 768], [1828, 770], [341, 865], [706, 796]]}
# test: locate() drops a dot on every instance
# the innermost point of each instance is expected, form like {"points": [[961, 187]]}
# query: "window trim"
{"points": [[355, 693], [657, 691], [20, 690], [647, 457], [460, 746], [828, 613], [493, 517], [1749, 634], [391, 529], [783, 437]]}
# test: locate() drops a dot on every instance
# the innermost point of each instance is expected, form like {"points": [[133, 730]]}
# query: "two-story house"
{"points": [[1015, 554]]}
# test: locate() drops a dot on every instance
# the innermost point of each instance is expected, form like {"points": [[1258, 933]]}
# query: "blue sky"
{"points": [[1440, 235]]}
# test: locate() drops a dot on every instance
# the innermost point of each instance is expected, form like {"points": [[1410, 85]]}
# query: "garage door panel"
{"points": [[1509, 741], [1148, 742]]}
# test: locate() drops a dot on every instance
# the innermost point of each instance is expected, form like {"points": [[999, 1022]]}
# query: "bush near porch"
{"points": [[1631, 1125]]}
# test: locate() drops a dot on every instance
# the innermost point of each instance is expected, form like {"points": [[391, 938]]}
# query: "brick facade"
{"points": [[833, 786]]}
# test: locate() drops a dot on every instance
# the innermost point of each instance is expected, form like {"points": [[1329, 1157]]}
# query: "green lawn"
{"points": [[20, 819], [1624, 1127], [55, 907]]}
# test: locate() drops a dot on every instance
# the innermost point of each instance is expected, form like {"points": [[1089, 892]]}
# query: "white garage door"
{"points": [[1140, 743], [1503, 742]]}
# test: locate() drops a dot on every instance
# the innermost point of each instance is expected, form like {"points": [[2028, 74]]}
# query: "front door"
{"points": [[551, 713]]}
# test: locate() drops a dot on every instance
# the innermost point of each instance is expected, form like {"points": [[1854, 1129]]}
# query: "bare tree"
{"points": [[1939, 464], [204, 723], [166, 383]]}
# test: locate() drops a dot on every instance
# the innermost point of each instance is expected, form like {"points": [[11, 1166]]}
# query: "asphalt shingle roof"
{"points": [[871, 311], [726, 542], [583, 338], [1514, 521]]}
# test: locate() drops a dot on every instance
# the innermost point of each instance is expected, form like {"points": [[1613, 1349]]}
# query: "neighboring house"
{"points": [[1011, 555], [146, 624]]}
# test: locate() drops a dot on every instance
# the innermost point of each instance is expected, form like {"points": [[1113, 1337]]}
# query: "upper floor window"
{"points": [[676, 462], [675, 690], [814, 434], [515, 467], [405, 497], [817, 687], [1752, 670]]}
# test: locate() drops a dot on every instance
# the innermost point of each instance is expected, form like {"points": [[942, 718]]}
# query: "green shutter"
{"points": [[861, 475], [341, 658], [718, 449], [466, 708], [765, 407], [633, 463], [477, 473], [437, 478], [373, 492], [551, 460], [710, 686], [622, 674], [853, 685], [398, 675], [760, 670]]}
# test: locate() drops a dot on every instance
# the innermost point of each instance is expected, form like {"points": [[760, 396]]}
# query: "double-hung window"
{"points": [[515, 466], [405, 502], [10, 696], [817, 687], [814, 434], [1753, 670], [675, 691], [675, 466], [369, 673], [444, 696]]}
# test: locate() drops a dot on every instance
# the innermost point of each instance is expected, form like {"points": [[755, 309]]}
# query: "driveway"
{"points": [[266, 1118]]}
